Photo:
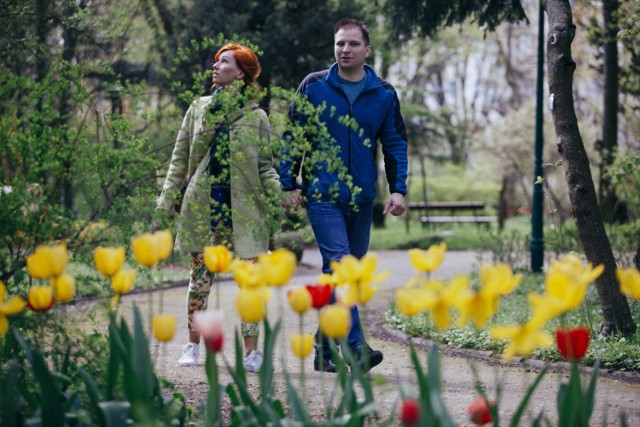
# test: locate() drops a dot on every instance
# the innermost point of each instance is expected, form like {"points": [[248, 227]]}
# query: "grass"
{"points": [[399, 233], [614, 352]]}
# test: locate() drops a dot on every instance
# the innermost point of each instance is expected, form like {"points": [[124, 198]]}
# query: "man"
{"points": [[339, 201]]}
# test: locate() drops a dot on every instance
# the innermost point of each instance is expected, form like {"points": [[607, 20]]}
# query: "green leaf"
{"points": [[50, 397], [212, 415], [10, 402], [515, 420], [590, 394], [115, 413], [440, 411], [93, 393]]}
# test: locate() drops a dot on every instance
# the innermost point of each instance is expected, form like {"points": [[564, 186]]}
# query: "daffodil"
{"points": [[299, 299], [109, 260], [629, 280], [218, 259], [429, 260], [164, 238], [410, 301], [358, 276], [10, 307], [251, 305], [278, 266], [164, 327], [145, 249], [302, 344], [523, 339], [123, 281], [335, 321], [40, 298], [48, 261], [64, 288]]}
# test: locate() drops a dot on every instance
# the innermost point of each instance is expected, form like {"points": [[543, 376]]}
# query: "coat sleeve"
{"points": [[393, 138], [179, 164]]}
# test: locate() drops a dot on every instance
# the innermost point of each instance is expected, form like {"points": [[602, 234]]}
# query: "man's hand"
{"points": [[395, 205]]}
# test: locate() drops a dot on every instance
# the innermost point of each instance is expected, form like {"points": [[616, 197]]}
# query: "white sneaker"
{"points": [[253, 361], [190, 354]]}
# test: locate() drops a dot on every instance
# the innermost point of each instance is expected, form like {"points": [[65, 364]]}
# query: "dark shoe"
{"points": [[327, 365], [367, 358]]}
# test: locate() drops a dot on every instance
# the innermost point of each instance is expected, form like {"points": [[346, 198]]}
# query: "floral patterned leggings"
{"points": [[200, 281]]}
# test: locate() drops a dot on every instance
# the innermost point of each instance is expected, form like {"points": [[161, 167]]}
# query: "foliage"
{"points": [[613, 352], [70, 395], [427, 18]]}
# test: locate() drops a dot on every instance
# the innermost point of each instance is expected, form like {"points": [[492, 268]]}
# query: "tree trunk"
{"points": [[616, 313], [609, 144]]}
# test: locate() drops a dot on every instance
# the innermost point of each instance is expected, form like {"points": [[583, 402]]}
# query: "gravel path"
{"points": [[615, 392]]}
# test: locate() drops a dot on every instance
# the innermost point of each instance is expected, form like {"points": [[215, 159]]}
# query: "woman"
{"points": [[222, 150]]}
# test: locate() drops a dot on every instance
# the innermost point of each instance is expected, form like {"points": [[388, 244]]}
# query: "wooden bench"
{"points": [[453, 208]]}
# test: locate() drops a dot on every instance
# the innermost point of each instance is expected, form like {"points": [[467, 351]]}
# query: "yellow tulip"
{"points": [[299, 299], [544, 308], [64, 288], [164, 327], [302, 344], [164, 239], [40, 298], [278, 266], [251, 305], [359, 294], [108, 260], [498, 279], [10, 307], [59, 259], [218, 259], [523, 339], [123, 281], [410, 301], [247, 274], [145, 249], [629, 282], [440, 298], [48, 261], [335, 321], [357, 275], [429, 260]]}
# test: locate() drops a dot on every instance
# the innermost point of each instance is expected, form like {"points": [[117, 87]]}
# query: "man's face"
{"points": [[350, 50]]}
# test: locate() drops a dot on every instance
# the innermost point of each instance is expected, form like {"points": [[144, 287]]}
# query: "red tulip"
{"points": [[320, 295], [478, 411], [573, 343], [409, 412], [214, 344]]}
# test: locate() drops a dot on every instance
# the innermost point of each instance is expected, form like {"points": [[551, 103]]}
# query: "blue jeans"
{"points": [[340, 231]]}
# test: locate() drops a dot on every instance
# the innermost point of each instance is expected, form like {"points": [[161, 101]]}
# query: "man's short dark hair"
{"points": [[350, 22]]}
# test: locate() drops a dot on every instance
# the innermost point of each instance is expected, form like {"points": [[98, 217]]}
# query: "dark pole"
{"points": [[537, 241]]}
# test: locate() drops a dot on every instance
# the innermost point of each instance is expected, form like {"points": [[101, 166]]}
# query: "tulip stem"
{"points": [[217, 285]]}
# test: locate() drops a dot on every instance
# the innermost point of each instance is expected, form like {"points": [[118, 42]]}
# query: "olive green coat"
{"points": [[253, 181]]}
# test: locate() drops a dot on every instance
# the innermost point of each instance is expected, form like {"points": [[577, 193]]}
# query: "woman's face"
{"points": [[225, 70]]}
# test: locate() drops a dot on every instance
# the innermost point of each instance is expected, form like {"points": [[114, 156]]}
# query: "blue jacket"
{"points": [[377, 114]]}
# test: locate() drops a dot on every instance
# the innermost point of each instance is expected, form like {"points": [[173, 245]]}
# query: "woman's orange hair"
{"points": [[246, 59]]}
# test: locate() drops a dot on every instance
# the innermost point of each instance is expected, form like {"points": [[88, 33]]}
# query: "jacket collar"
{"points": [[372, 77]]}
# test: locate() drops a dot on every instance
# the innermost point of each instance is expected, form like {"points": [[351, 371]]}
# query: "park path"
{"points": [[613, 395]]}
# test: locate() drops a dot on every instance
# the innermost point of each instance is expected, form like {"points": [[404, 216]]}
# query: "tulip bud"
{"points": [[299, 300], [164, 327], [409, 412]]}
